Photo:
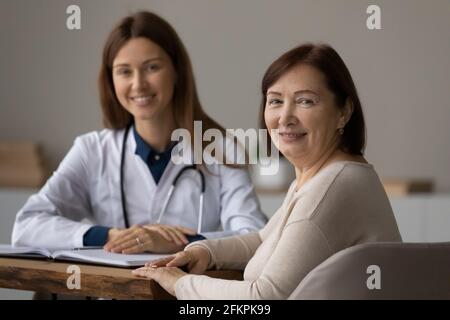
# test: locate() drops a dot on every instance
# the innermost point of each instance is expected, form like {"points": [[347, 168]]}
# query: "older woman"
{"points": [[336, 201]]}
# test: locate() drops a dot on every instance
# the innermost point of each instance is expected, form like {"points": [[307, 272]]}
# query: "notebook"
{"points": [[86, 254]]}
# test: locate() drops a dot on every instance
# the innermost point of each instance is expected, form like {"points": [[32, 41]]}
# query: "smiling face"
{"points": [[144, 79], [303, 109]]}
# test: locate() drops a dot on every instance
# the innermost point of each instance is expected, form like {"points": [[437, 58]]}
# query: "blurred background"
{"points": [[48, 89]]}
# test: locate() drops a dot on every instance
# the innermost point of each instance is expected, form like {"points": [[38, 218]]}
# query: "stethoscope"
{"points": [[169, 194]]}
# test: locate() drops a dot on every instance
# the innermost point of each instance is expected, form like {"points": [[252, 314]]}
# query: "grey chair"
{"points": [[384, 270]]}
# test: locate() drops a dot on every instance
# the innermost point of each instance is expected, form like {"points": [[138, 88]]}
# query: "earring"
{"points": [[341, 131]]}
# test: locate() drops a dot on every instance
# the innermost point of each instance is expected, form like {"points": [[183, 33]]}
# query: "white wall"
{"points": [[48, 79]]}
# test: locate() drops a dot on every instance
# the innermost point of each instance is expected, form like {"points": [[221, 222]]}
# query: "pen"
{"points": [[88, 247]]}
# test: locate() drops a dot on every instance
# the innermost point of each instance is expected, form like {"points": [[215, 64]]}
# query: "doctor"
{"points": [[118, 188]]}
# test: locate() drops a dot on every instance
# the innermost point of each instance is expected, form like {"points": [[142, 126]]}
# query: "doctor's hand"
{"points": [[167, 277], [156, 238], [195, 259]]}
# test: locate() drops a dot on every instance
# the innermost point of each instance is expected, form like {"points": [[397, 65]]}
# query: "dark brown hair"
{"points": [[186, 104], [338, 79]]}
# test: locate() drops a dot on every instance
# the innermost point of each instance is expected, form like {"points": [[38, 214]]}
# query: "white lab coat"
{"points": [[85, 191]]}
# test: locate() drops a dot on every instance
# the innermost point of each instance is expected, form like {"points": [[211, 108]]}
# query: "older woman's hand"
{"points": [[167, 277], [196, 259]]}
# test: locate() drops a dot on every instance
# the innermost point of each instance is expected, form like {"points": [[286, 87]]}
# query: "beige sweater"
{"points": [[344, 204]]}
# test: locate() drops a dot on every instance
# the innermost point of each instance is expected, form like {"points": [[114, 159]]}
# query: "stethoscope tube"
{"points": [[169, 194], [122, 163]]}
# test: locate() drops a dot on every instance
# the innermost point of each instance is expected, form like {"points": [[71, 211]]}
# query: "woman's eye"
{"points": [[152, 67], [124, 72], [306, 102], [273, 102]]}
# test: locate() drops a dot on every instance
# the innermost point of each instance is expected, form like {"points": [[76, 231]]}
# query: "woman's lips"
{"points": [[291, 137], [143, 100]]}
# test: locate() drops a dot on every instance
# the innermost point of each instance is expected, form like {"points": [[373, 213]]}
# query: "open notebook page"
{"points": [[103, 257], [7, 249]]}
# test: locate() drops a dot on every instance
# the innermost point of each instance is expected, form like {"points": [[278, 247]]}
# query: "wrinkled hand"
{"points": [[167, 277], [195, 258], [156, 238]]}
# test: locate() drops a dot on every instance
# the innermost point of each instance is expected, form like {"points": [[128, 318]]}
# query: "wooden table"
{"points": [[96, 281]]}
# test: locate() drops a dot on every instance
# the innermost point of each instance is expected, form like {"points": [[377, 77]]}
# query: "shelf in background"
{"points": [[402, 187]]}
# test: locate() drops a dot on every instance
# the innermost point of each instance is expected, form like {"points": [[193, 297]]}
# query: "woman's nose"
{"points": [[139, 81], [287, 116]]}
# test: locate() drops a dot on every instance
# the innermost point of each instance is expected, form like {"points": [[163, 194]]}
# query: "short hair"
{"points": [[338, 79]]}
